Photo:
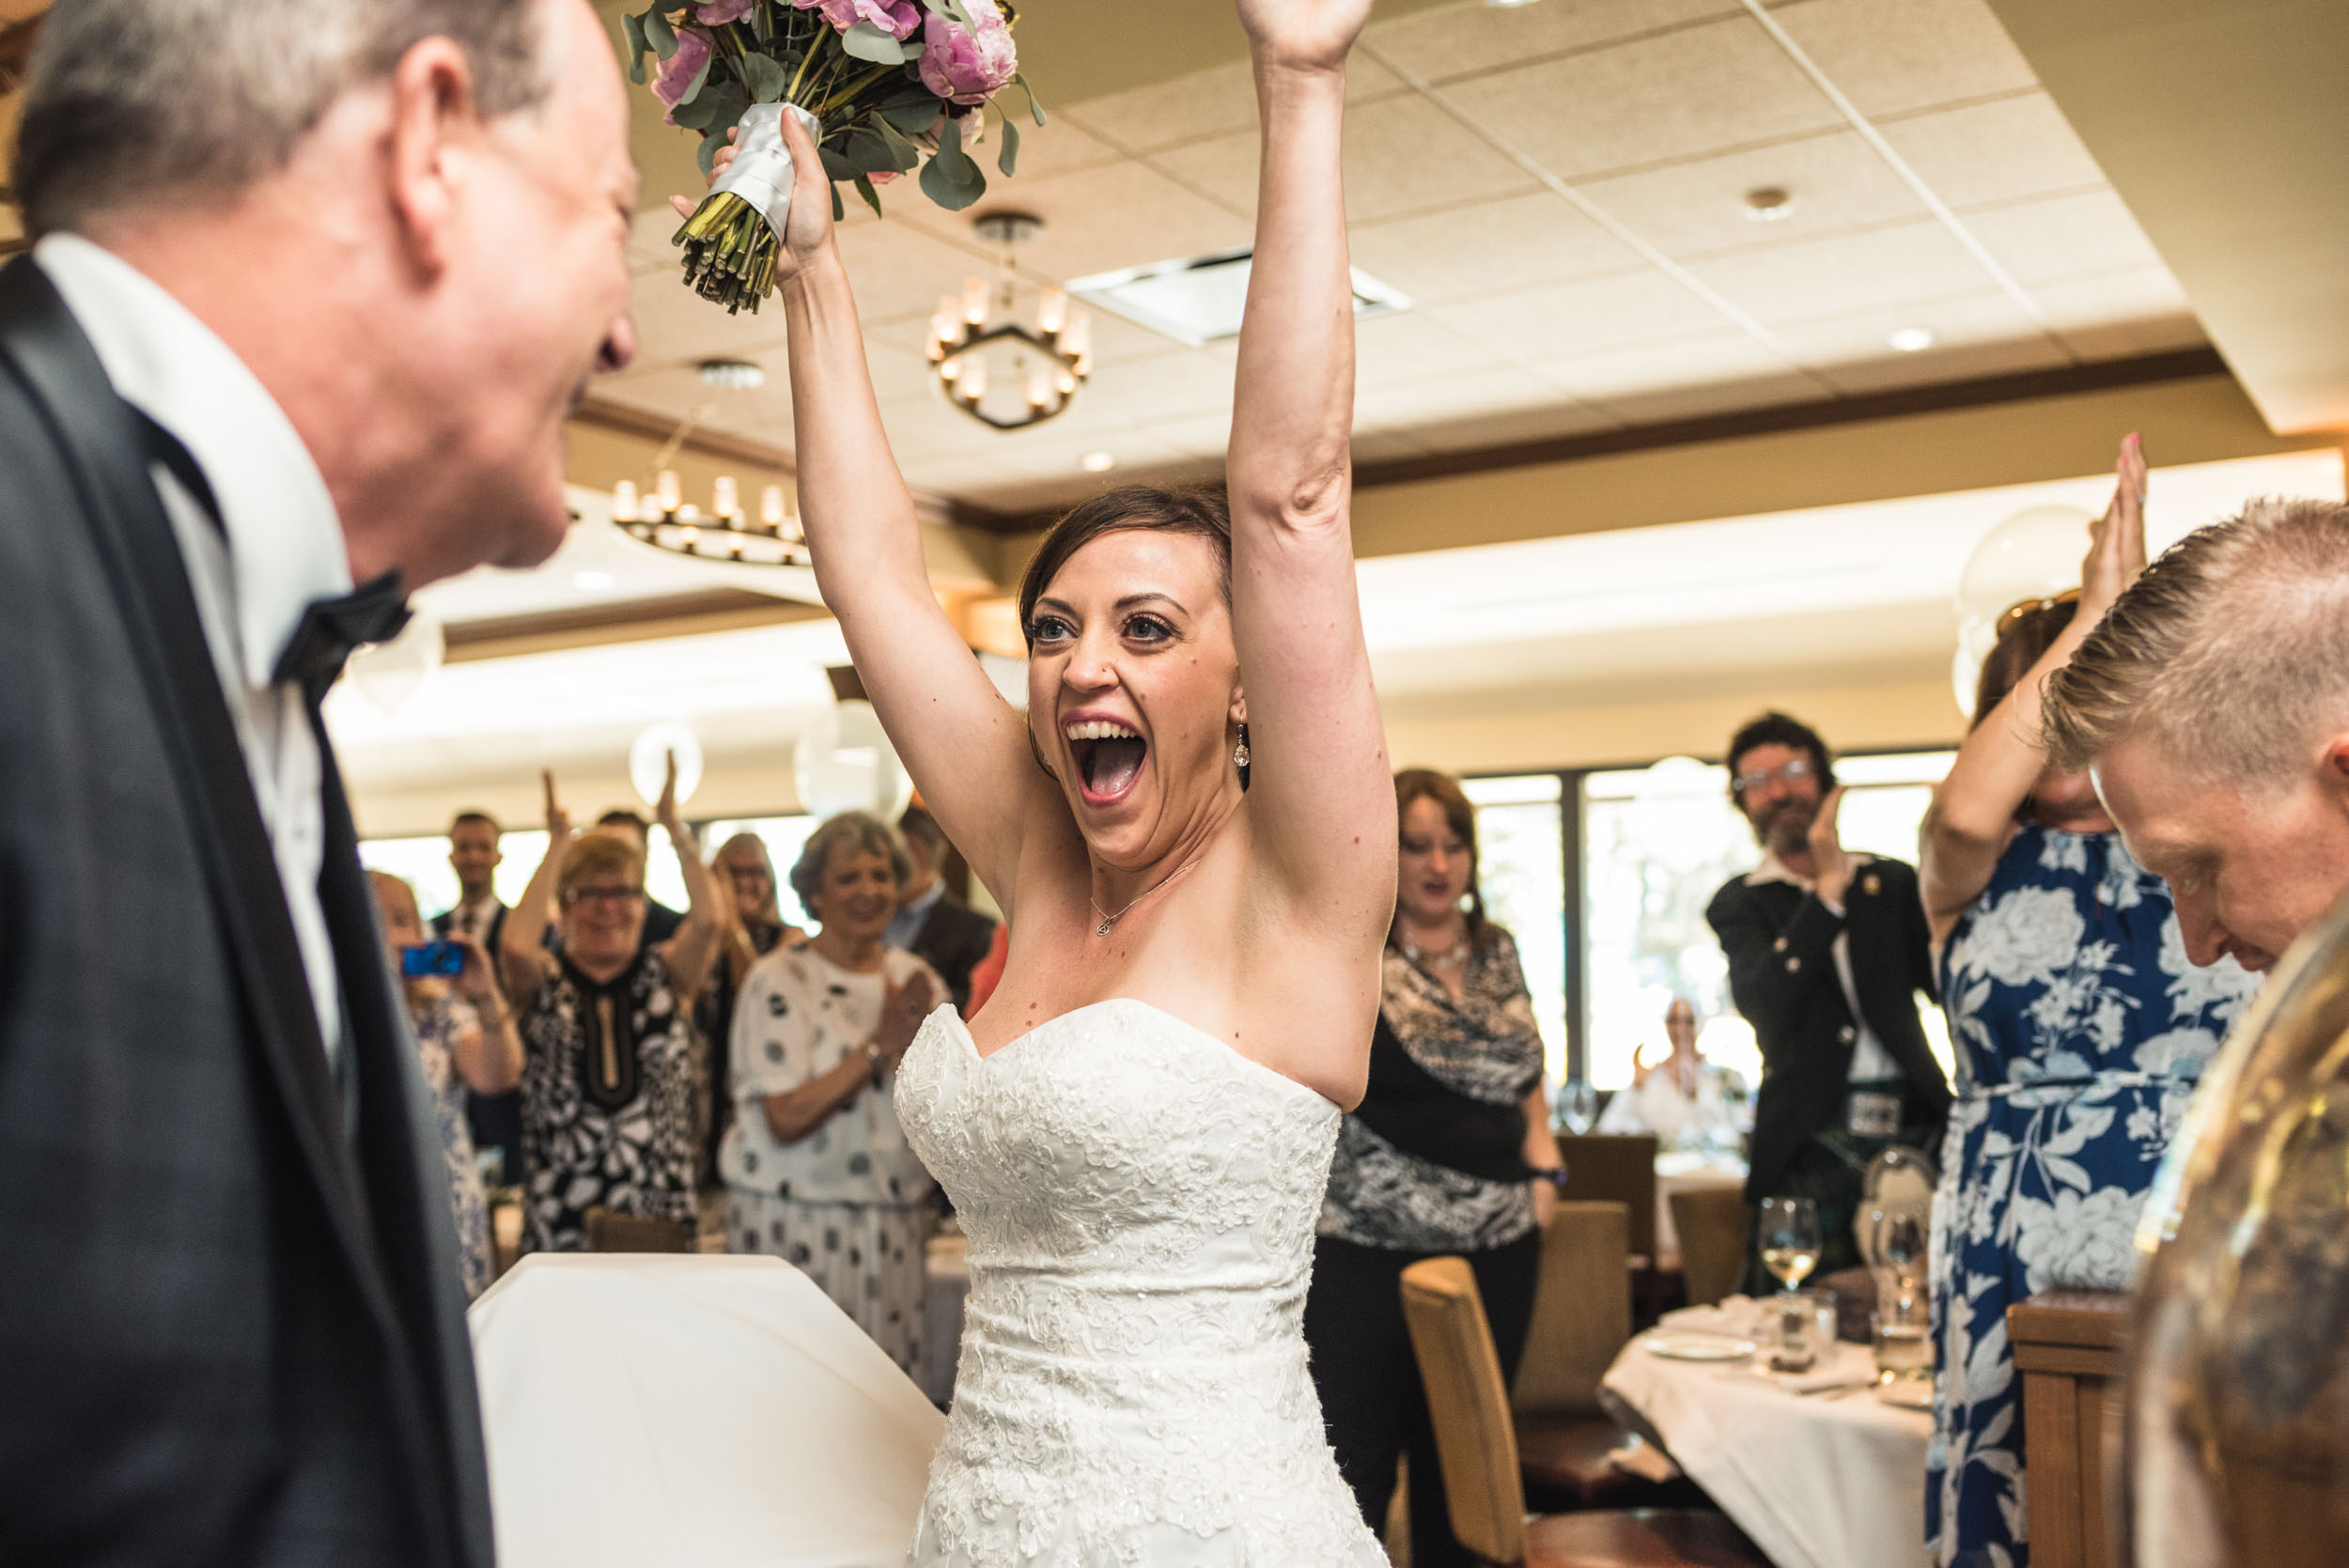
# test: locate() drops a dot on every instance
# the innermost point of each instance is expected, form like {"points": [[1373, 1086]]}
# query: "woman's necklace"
{"points": [[1448, 958], [1110, 920]]}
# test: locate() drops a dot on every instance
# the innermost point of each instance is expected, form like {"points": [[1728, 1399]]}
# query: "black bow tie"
{"points": [[331, 628]]}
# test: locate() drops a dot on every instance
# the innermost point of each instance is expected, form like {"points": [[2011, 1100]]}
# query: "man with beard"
{"points": [[1827, 949]]}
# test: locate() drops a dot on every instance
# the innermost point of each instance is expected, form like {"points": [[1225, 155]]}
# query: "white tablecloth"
{"points": [[682, 1411], [1817, 1481]]}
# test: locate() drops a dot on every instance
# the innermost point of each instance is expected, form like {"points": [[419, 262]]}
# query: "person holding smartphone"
{"points": [[465, 1039]]}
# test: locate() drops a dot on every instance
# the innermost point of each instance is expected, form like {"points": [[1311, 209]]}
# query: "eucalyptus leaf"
{"points": [[837, 165], [762, 22], [868, 150], [904, 156], [701, 77], [872, 198], [765, 78], [719, 106], [838, 210], [1008, 158], [950, 178], [865, 41], [1035, 106], [707, 155], [915, 117], [656, 28], [633, 34]]}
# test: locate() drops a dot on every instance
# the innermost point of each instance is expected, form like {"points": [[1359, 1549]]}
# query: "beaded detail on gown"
{"points": [[1139, 1199]]}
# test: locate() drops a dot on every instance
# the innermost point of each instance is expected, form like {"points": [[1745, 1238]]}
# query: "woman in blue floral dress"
{"points": [[2080, 1029]]}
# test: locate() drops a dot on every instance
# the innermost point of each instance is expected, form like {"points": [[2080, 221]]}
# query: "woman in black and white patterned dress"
{"points": [[612, 1104], [816, 1167], [1449, 1153]]}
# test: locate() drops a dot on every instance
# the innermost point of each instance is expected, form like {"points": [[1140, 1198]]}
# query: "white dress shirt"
{"points": [[1869, 1061], [284, 549]]}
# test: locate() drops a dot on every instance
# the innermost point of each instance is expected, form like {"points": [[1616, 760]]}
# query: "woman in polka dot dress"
{"points": [[817, 1170]]}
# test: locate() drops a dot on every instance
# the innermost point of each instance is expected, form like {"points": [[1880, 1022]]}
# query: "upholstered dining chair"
{"points": [[1606, 1167], [1714, 1225], [1478, 1451], [608, 1231]]}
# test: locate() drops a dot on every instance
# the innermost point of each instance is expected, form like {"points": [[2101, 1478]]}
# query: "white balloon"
{"points": [[648, 761], [389, 675], [1674, 808], [2033, 555], [844, 762], [1975, 639]]}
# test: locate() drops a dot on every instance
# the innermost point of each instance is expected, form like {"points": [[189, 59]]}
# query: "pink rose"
{"points": [[897, 18], [717, 13], [677, 72], [968, 65], [882, 177]]}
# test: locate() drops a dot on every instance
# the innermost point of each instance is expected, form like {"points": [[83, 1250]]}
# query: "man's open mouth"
{"points": [[1109, 757]]}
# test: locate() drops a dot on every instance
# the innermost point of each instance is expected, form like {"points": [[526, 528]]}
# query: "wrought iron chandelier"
{"points": [[666, 520], [1037, 371]]}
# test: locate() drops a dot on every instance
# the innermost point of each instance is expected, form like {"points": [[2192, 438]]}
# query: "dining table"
{"points": [[1818, 1469], [1688, 1171]]}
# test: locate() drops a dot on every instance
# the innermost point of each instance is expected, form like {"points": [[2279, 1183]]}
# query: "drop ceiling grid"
{"points": [[1503, 170]]}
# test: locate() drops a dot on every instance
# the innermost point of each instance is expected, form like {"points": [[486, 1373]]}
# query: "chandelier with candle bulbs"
{"points": [[1034, 371], [663, 519]]}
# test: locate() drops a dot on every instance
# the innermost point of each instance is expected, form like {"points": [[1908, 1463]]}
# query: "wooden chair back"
{"points": [[608, 1231], [1474, 1441], [1582, 1310], [1615, 1168], [1713, 1224]]}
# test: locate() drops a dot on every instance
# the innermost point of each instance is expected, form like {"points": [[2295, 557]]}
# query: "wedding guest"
{"points": [[465, 1039], [2212, 703], [2080, 1028], [753, 927], [314, 286], [1449, 1152], [494, 1121], [1685, 1101], [660, 921], [1827, 954], [611, 1113], [816, 1169], [932, 924]]}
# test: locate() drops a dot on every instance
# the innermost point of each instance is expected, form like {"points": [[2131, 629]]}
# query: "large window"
{"points": [[1521, 865], [1657, 842]]}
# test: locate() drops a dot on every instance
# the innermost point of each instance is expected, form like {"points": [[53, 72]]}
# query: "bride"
{"points": [[1192, 838]]}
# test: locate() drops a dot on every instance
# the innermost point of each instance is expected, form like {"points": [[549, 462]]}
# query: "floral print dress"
{"points": [[2080, 1029], [440, 1024]]}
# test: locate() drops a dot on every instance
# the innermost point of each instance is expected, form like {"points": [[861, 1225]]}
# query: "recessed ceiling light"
{"points": [[733, 374], [1910, 340], [1096, 462], [593, 581], [1507, 5], [1767, 203]]}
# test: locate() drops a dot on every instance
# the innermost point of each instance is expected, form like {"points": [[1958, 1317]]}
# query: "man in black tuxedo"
{"points": [[932, 924], [316, 283], [1827, 953]]}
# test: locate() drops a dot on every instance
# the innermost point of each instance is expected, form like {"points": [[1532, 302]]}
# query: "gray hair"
{"points": [[855, 832], [129, 101], [2231, 652]]}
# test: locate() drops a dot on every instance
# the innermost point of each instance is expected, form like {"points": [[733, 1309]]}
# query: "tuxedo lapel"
{"points": [[106, 448]]}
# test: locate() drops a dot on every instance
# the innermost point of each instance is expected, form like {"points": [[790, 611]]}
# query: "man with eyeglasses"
{"points": [[1827, 953]]}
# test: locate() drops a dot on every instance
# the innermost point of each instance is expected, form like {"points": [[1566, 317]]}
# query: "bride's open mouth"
{"points": [[1108, 756]]}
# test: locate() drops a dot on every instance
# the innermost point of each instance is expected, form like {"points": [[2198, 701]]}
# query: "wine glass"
{"points": [[1900, 1243], [1789, 1232], [1578, 1105]]}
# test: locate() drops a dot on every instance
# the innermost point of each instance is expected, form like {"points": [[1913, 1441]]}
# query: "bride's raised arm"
{"points": [[1321, 792], [963, 744]]}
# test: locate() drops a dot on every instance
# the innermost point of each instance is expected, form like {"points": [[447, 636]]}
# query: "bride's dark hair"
{"points": [[1180, 511]]}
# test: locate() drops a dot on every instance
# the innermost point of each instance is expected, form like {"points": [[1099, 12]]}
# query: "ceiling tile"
{"points": [[1676, 94], [675, 325], [2117, 315], [1402, 155], [1570, 319], [1211, 102], [1143, 391], [1121, 216], [1492, 407], [1982, 334], [1838, 181], [1846, 273], [1056, 147], [1383, 447], [1458, 40], [1410, 347], [898, 270], [2061, 237], [1889, 57], [923, 429], [1516, 242], [1999, 152], [1614, 375]]}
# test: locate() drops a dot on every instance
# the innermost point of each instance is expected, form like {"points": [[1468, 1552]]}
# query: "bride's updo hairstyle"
{"points": [[1186, 511]]}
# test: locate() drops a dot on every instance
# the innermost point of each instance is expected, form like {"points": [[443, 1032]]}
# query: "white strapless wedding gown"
{"points": [[1139, 1200]]}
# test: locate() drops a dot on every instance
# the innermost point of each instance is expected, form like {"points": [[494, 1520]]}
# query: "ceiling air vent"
{"points": [[1199, 298]]}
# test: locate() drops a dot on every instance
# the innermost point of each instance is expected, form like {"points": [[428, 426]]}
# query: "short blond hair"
{"points": [[2230, 653], [595, 854]]}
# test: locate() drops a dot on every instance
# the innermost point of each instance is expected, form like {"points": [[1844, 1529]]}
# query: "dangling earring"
{"points": [[1240, 754]]}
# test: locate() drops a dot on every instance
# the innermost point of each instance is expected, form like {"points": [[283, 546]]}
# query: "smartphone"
{"points": [[426, 959]]}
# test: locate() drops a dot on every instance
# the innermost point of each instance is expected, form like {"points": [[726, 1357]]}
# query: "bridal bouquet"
{"points": [[882, 87]]}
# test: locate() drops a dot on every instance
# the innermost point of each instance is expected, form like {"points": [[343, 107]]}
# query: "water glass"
{"points": [[1904, 1336], [1578, 1105]]}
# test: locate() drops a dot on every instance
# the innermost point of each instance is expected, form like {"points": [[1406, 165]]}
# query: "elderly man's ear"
{"points": [[434, 126]]}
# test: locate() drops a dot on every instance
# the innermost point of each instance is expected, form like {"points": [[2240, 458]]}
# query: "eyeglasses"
{"points": [[610, 897], [1786, 772], [750, 874], [2021, 609]]}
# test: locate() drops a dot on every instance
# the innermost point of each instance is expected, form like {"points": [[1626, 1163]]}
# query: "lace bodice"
{"points": [[1139, 1200]]}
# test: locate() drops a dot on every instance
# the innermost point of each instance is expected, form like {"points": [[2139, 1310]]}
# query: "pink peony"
{"points": [[717, 13], [677, 72], [968, 65], [882, 177], [897, 18]]}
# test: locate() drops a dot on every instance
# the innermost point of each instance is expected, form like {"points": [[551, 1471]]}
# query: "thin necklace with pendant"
{"points": [[1109, 920]]}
